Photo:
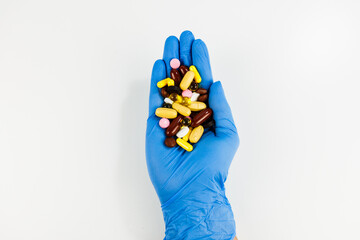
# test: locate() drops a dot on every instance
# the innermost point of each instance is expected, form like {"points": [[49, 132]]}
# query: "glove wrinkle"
{"points": [[226, 124], [190, 219], [173, 198]]}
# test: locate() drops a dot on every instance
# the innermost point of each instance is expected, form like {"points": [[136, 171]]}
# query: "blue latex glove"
{"points": [[190, 185]]}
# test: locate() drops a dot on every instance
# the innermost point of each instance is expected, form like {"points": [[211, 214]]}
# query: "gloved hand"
{"points": [[190, 185]]}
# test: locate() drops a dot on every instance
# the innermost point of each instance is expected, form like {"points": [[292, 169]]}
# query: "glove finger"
{"points": [[224, 122], [171, 50], [200, 57], [155, 98], [186, 40]]}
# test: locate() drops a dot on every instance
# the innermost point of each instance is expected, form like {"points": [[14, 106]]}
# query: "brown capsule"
{"points": [[183, 70], [170, 142], [203, 98], [175, 75], [201, 91], [201, 117], [174, 126], [164, 93]]}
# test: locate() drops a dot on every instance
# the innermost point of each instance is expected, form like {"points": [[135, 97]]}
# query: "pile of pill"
{"points": [[185, 103]]}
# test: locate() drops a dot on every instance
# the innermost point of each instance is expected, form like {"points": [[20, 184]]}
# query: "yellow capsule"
{"points": [[197, 106], [187, 79], [185, 145], [165, 82], [186, 137], [185, 111], [196, 134], [170, 82], [179, 99], [197, 74], [186, 101], [166, 113]]}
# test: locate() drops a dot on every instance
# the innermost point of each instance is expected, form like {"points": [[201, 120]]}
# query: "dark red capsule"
{"points": [[201, 117], [174, 126], [183, 69], [175, 75]]}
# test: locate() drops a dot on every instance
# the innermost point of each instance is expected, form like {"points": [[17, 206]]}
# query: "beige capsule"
{"points": [[185, 111], [196, 106], [166, 113], [187, 79], [196, 134]]}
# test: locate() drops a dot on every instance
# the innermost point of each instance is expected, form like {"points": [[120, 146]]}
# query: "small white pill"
{"points": [[182, 133], [194, 96], [168, 100]]}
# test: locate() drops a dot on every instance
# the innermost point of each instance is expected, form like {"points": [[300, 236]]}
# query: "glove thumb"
{"points": [[224, 122]]}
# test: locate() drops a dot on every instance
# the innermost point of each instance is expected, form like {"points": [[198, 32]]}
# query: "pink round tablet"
{"points": [[187, 93], [164, 123], [175, 63]]}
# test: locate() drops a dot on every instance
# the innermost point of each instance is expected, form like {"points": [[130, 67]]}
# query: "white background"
{"points": [[74, 79]]}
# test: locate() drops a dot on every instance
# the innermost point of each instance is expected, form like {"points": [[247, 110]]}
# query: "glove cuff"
{"points": [[188, 218]]}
